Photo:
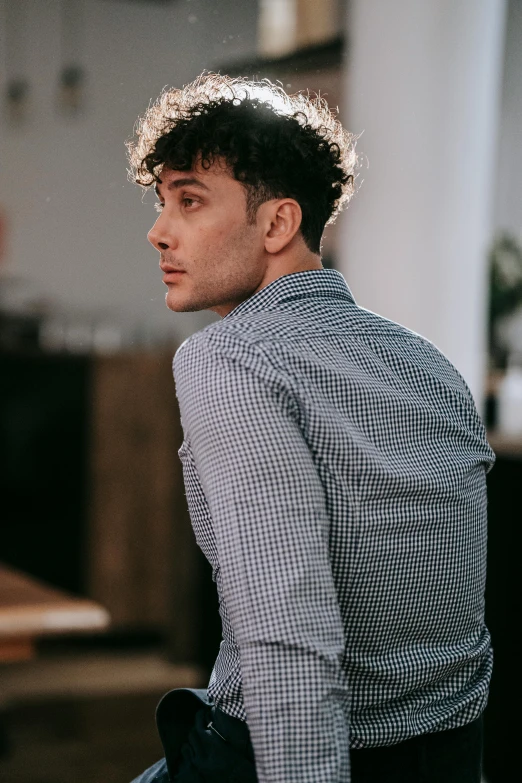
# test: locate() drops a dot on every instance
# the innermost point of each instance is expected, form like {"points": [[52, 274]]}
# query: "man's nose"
{"points": [[160, 236]]}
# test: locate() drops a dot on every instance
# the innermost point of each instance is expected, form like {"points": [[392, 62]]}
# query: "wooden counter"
{"points": [[30, 609]]}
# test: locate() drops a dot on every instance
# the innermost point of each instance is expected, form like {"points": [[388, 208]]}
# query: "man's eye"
{"points": [[187, 201], [158, 206]]}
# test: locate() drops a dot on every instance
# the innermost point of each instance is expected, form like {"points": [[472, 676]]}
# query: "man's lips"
{"points": [[172, 275]]}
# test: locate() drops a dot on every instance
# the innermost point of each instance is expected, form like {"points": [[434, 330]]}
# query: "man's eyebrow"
{"points": [[180, 183]]}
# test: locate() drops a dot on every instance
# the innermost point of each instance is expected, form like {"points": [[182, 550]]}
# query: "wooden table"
{"points": [[30, 609]]}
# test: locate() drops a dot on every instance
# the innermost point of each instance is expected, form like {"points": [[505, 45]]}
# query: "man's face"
{"points": [[212, 259]]}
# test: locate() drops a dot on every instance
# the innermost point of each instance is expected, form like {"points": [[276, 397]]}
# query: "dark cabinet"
{"points": [[502, 718], [92, 489], [44, 433]]}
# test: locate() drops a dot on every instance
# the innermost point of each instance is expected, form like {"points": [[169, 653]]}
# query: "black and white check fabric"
{"points": [[334, 465]]}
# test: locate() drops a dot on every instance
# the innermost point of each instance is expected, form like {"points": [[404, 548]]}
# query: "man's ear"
{"points": [[284, 219]]}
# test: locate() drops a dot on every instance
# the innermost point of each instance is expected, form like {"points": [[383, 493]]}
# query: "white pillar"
{"points": [[423, 82]]}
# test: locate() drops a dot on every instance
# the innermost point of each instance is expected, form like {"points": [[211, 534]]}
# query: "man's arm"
{"points": [[271, 525]]}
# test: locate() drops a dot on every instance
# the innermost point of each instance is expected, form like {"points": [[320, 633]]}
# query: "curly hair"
{"points": [[276, 145]]}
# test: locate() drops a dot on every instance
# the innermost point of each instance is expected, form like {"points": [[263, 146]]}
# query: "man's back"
{"points": [[395, 608]]}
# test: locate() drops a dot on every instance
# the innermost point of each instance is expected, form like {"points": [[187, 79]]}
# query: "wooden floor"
{"points": [[74, 723]]}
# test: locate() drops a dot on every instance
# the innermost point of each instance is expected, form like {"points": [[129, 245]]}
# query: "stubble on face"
{"points": [[222, 274]]}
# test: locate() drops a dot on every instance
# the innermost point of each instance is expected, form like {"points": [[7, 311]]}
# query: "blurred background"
{"points": [[105, 601]]}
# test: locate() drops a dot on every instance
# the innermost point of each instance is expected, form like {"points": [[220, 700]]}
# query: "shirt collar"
{"points": [[313, 283]]}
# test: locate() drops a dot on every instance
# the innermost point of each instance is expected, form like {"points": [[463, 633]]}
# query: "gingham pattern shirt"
{"points": [[335, 465]]}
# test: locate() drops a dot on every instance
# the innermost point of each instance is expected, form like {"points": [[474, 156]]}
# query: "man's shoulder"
{"points": [[412, 352], [229, 340]]}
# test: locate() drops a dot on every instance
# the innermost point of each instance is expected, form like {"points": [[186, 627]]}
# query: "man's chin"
{"points": [[180, 305]]}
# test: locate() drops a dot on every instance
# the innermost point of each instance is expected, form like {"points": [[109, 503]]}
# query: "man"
{"points": [[334, 464]]}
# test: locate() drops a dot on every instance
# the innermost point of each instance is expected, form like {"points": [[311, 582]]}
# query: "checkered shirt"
{"points": [[335, 464]]}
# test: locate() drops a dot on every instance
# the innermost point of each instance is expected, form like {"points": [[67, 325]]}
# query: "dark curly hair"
{"points": [[276, 145]]}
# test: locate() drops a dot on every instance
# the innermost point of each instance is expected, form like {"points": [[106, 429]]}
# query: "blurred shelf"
{"points": [[95, 674]]}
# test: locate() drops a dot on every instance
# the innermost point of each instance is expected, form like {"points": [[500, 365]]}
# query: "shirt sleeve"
{"points": [[272, 535]]}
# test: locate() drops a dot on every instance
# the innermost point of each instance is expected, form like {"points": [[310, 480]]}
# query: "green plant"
{"points": [[505, 288]]}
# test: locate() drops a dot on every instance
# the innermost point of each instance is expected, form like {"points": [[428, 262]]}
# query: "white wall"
{"points": [[77, 227], [508, 179]]}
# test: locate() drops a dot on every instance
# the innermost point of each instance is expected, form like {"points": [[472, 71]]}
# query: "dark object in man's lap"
{"points": [[452, 756], [208, 746]]}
